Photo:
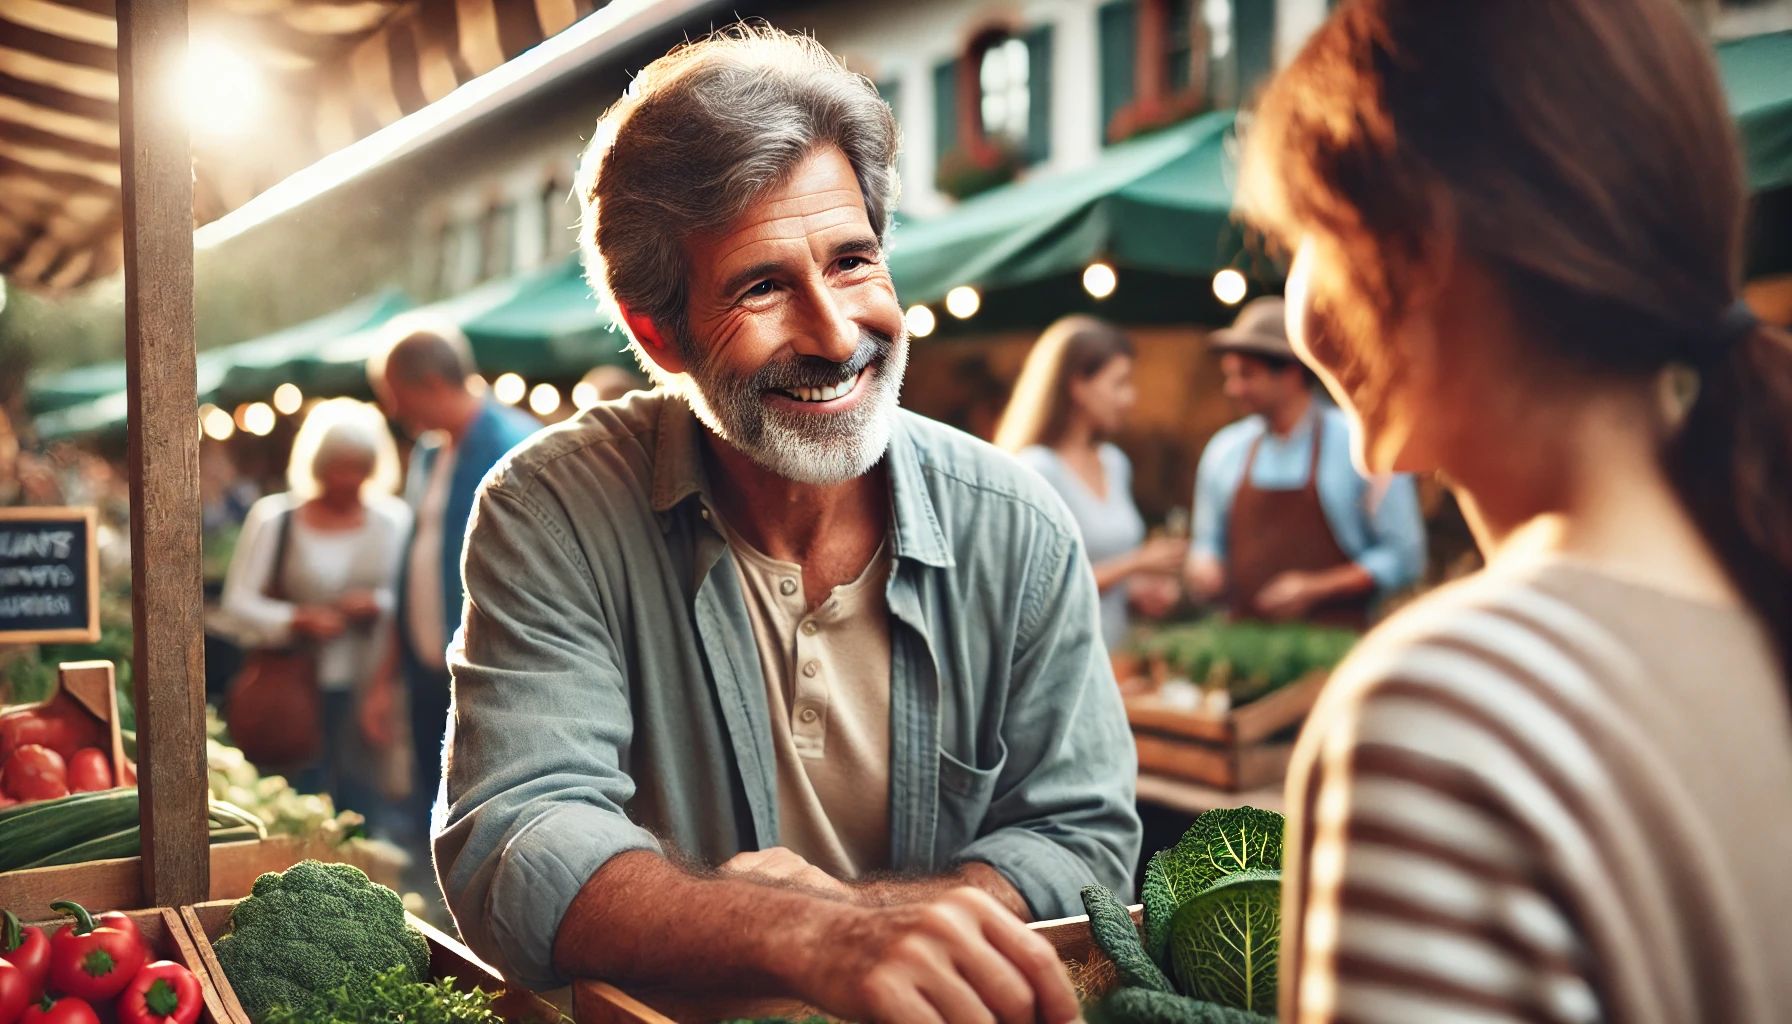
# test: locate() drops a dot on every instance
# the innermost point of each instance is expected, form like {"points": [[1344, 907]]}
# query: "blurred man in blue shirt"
{"points": [[1285, 527]]}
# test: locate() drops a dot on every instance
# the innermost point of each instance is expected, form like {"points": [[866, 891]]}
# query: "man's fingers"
{"points": [[1027, 950], [892, 998], [999, 983]]}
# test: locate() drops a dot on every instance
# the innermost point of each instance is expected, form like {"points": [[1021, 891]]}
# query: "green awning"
{"points": [[1160, 203], [545, 323], [1757, 74]]}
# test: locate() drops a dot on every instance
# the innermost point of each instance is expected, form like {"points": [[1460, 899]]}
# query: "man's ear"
{"points": [[652, 340]]}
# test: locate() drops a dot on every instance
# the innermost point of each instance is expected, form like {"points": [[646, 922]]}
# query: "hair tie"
{"points": [[1734, 325]]}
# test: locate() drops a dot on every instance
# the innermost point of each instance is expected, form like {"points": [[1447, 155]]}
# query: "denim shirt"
{"points": [[608, 694]]}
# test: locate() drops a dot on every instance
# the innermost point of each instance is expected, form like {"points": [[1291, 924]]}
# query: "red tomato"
{"points": [[89, 770], [15, 992], [60, 724], [162, 993], [50, 1010], [34, 773]]}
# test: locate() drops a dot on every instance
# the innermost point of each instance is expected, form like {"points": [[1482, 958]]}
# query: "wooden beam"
{"points": [[166, 600]]}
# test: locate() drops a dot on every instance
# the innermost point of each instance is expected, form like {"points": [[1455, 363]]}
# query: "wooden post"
{"points": [[166, 600]]}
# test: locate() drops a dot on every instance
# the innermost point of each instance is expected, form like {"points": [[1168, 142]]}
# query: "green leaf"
{"points": [[1111, 926], [1225, 942], [1143, 1006], [1218, 844]]}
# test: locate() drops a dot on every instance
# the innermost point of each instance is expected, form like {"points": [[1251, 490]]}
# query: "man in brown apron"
{"points": [[1285, 528]]}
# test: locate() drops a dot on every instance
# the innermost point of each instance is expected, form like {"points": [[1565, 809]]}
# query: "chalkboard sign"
{"points": [[49, 576]]}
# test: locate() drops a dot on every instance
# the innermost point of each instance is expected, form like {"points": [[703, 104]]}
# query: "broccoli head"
{"points": [[311, 929]]}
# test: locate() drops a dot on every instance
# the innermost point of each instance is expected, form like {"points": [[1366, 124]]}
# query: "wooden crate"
{"points": [[117, 884], [447, 959], [1231, 752], [168, 939], [596, 1002]]}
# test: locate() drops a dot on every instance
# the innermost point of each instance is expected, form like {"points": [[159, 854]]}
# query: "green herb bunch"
{"points": [[389, 998]]}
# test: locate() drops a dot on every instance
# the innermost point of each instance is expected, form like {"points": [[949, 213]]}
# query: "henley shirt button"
{"points": [[787, 587], [810, 627], [809, 715], [809, 670]]}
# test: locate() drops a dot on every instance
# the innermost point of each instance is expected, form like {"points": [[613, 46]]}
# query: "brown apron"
{"points": [[1277, 531]]}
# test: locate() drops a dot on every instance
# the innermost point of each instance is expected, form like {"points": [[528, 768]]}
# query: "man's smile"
{"points": [[828, 398]]}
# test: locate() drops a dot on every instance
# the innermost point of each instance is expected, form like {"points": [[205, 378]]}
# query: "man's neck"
{"points": [[832, 531], [461, 408], [1284, 418]]}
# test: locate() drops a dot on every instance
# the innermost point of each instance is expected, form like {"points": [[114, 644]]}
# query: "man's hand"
{"points": [[1205, 576], [958, 959], [1154, 596], [1292, 595], [780, 866]]}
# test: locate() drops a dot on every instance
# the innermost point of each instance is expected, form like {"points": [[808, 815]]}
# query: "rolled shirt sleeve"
{"points": [[1395, 529], [1216, 483], [1063, 815], [534, 783]]}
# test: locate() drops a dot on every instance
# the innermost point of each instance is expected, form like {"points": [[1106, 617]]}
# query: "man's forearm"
{"points": [[886, 892], [1347, 580], [642, 920]]}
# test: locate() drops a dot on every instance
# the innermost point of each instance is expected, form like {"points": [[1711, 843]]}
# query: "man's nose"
{"points": [[830, 329]]}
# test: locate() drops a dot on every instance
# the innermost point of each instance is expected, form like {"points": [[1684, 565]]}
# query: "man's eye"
{"points": [[853, 262], [759, 290]]}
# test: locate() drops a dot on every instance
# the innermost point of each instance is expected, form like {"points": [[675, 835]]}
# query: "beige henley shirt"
{"points": [[827, 684]]}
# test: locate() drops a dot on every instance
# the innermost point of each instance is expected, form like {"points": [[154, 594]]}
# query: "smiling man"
{"points": [[766, 684]]}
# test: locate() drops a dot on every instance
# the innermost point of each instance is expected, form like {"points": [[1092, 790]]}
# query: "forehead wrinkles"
{"points": [[793, 219]]}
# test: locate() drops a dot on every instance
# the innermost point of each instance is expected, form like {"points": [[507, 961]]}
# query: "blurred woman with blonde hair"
{"points": [[318, 564], [1073, 395]]}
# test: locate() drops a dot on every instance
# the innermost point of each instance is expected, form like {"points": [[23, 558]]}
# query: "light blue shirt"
{"points": [[1376, 522], [1111, 525], [608, 693]]}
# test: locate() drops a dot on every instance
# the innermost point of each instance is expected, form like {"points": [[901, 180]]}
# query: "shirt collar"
{"points": [[678, 474]]}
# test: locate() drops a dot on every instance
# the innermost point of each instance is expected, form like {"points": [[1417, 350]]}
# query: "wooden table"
{"points": [[1192, 798]]}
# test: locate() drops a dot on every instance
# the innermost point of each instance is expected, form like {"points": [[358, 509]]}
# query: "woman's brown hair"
{"points": [[1072, 348], [1582, 151]]}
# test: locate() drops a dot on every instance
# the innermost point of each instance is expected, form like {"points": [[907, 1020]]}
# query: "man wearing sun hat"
{"points": [[1285, 528]]}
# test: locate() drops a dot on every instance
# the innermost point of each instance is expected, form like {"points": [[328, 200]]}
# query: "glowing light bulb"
{"points": [[258, 419], [288, 398], [920, 321], [1229, 286], [963, 302], [216, 423], [1099, 280], [544, 399], [584, 395], [509, 389]]}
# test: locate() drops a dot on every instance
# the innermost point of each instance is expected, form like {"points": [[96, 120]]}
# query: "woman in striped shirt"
{"points": [[1560, 790]]}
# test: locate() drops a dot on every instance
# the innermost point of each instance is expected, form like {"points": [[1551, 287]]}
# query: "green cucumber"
{"points": [[61, 824]]}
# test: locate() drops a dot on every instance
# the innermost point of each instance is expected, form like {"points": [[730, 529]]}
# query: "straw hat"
{"points": [[1260, 330]]}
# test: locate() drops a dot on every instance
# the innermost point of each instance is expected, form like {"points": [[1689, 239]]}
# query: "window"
{"points": [[1002, 77], [497, 241], [1179, 44], [557, 238], [1166, 60]]}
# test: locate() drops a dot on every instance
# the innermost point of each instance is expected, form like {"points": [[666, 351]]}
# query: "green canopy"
{"points": [[542, 323], [1160, 203], [1757, 74]]}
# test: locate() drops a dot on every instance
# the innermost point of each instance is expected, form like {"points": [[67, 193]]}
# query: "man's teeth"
{"points": [[826, 394]]}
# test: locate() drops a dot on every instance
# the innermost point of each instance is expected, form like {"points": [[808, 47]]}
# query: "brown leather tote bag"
{"points": [[273, 708]]}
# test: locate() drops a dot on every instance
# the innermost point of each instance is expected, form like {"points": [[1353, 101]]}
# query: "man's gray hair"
{"points": [[418, 348], [701, 133]]}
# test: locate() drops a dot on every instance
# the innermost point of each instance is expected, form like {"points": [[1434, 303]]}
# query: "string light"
{"points": [[216, 423], [963, 302], [288, 398], [1099, 280], [544, 399], [509, 389], [584, 395], [258, 418], [920, 321], [1229, 286]]}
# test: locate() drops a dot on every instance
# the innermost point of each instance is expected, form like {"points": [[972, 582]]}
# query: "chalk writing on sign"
{"points": [[47, 584]]}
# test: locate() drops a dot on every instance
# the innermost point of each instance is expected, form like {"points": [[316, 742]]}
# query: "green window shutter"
{"points": [[945, 109], [1039, 94], [1117, 24], [1254, 36]]}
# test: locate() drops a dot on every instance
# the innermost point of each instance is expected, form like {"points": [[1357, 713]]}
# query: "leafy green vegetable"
{"points": [[310, 930], [389, 998], [1250, 659], [1225, 942], [1218, 844], [1113, 930], [1143, 1006]]}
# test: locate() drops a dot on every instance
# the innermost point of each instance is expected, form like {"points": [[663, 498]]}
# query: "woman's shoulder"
{"points": [[1039, 459], [389, 510], [267, 507]]}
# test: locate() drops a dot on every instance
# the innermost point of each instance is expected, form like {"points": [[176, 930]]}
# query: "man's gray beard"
{"points": [[809, 448]]}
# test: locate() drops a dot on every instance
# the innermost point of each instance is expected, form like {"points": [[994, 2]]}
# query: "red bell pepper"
{"points": [[94, 960], [67, 1010], [15, 993], [28, 949], [162, 993]]}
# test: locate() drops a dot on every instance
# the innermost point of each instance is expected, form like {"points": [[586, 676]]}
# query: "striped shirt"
{"points": [[1545, 794]]}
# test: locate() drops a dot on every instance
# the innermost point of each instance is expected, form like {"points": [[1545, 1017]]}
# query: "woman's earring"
{"points": [[1677, 391]]}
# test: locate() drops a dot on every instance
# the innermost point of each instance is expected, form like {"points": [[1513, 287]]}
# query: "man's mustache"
{"points": [[816, 372]]}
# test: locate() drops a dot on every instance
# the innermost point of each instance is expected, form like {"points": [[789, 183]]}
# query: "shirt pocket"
{"points": [[965, 795]]}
